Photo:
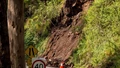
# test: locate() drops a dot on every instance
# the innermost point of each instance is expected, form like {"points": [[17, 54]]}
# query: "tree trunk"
{"points": [[4, 40], [15, 19]]}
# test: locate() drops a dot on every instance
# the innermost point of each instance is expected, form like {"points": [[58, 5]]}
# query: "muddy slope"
{"points": [[66, 30]]}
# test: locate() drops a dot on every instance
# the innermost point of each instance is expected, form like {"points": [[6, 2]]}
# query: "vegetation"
{"points": [[100, 45], [38, 17]]}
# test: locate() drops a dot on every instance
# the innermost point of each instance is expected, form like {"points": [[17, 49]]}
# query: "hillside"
{"points": [[66, 31], [80, 32]]}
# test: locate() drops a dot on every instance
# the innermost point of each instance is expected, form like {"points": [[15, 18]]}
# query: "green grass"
{"points": [[37, 24], [100, 44]]}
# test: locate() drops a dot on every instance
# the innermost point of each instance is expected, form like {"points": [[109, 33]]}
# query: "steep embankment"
{"points": [[66, 30], [100, 44]]}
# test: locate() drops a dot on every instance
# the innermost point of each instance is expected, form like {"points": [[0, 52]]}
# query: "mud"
{"points": [[66, 30]]}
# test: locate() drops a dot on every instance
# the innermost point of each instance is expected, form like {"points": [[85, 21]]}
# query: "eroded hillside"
{"points": [[66, 30]]}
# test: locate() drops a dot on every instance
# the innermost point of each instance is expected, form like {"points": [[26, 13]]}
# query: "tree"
{"points": [[4, 41], [15, 18]]}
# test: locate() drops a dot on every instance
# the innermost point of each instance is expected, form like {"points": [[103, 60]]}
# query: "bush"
{"points": [[37, 25], [100, 45]]}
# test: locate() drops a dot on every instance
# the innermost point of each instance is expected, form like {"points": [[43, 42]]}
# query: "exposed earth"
{"points": [[66, 31]]}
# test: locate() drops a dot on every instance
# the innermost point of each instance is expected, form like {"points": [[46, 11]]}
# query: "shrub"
{"points": [[100, 45], [37, 25]]}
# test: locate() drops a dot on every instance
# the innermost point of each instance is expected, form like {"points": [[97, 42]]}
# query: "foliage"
{"points": [[37, 24], [100, 45]]}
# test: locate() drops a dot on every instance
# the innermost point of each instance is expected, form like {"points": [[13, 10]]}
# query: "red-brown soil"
{"points": [[64, 37]]}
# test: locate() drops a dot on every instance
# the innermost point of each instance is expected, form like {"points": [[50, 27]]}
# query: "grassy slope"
{"points": [[100, 45], [37, 25]]}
